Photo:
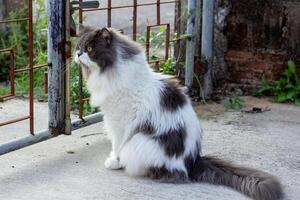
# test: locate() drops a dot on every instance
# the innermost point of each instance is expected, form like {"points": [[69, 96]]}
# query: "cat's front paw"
{"points": [[112, 163]]}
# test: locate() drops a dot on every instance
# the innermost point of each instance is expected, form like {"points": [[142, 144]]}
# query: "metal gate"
{"points": [[60, 51], [28, 69]]}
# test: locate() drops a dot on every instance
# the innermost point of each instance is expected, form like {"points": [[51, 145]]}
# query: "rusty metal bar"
{"points": [[67, 67], [129, 6], [30, 46], [158, 12], [167, 41], [80, 12], [34, 68], [4, 97], [14, 120], [46, 82], [4, 50], [11, 73], [46, 134], [134, 18], [80, 94], [156, 25], [148, 43], [109, 13], [14, 20]]}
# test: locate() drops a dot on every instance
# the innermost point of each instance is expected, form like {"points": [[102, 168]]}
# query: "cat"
{"points": [[150, 120]]}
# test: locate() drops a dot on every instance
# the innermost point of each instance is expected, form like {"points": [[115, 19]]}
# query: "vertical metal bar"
{"points": [[158, 12], [178, 31], [80, 12], [80, 109], [148, 43], [12, 73], [46, 82], [67, 66], [207, 45], [109, 13], [134, 19], [167, 41], [157, 65], [57, 60], [30, 47], [190, 44]]}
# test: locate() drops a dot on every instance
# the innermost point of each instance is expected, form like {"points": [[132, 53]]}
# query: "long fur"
{"points": [[151, 122]]}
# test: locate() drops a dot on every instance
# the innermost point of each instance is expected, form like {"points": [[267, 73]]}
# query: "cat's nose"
{"points": [[79, 53]]}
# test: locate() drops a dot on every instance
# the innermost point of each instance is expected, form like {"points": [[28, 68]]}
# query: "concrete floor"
{"points": [[71, 167]]}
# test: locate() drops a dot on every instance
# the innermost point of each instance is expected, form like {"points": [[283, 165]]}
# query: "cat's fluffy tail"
{"points": [[253, 183]]}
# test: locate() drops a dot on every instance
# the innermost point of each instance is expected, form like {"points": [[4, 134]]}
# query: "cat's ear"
{"points": [[84, 29], [104, 34]]}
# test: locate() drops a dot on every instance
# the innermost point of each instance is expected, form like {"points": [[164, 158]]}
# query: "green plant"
{"points": [[285, 89], [16, 37], [74, 94], [156, 39], [234, 103], [201, 94], [168, 66]]}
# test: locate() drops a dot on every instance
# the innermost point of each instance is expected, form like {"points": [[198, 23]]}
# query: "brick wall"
{"points": [[261, 37], [245, 68]]}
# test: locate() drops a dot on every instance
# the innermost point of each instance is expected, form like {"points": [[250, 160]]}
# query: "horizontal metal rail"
{"points": [[128, 6], [14, 120], [14, 20], [45, 134]]}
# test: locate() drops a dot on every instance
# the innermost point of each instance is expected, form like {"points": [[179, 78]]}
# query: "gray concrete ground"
{"points": [[71, 167]]}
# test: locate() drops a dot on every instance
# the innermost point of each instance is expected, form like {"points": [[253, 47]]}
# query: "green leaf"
{"points": [[281, 97], [291, 67], [291, 95], [162, 29], [298, 84]]}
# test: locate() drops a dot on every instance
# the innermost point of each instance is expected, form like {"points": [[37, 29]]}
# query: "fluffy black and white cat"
{"points": [[151, 123]]}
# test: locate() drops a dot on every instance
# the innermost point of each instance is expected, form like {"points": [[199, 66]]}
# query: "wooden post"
{"points": [[67, 71], [57, 61]]}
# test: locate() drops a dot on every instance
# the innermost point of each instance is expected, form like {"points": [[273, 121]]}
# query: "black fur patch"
{"points": [[172, 97], [194, 163], [173, 141], [164, 175], [146, 128]]}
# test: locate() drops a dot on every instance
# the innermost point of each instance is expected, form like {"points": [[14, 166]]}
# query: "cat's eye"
{"points": [[89, 49]]}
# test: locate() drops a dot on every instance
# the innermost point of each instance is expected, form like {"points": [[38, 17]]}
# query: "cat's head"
{"points": [[100, 49]]}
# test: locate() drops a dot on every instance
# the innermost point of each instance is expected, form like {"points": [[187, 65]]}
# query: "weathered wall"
{"points": [[258, 37]]}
